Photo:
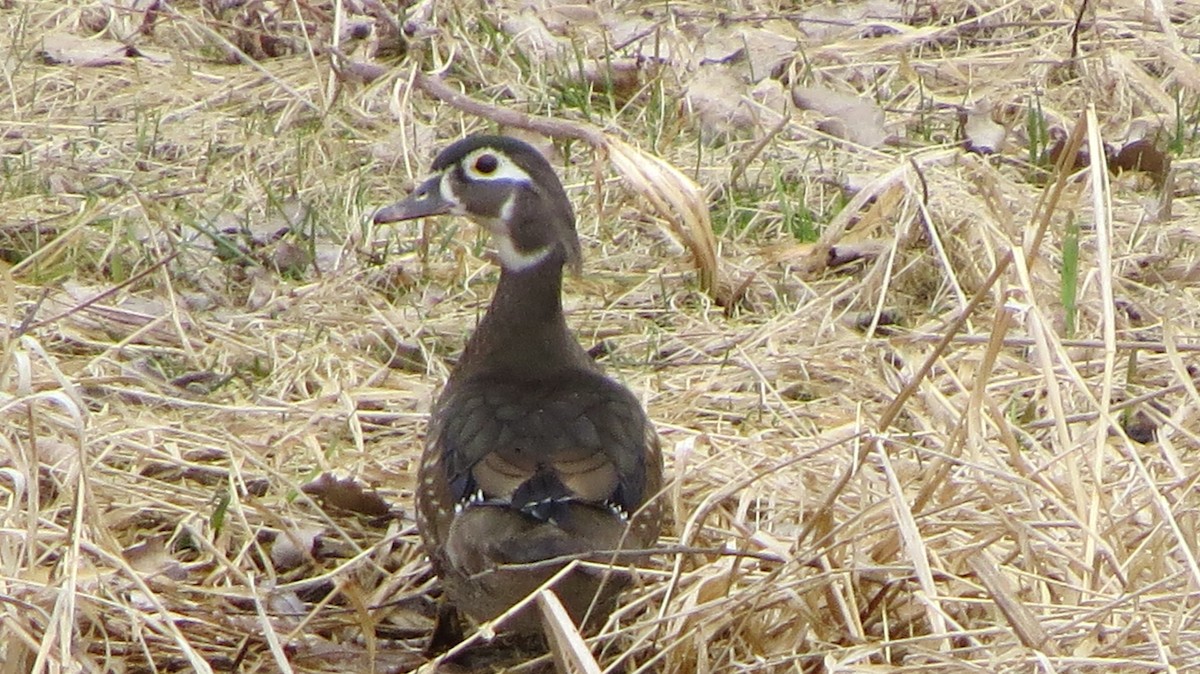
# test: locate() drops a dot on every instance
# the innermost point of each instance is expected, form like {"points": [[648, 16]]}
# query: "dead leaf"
{"points": [[980, 132], [1140, 427], [419, 21], [848, 116], [769, 49], [152, 558], [290, 257], [643, 36], [350, 70], [532, 37], [844, 253], [1142, 155], [1082, 157], [1156, 269], [70, 50], [55, 453], [716, 99], [825, 22], [623, 76], [294, 547], [756, 54], [772, 104], [62, 49], [286, 603], [563, 18], [346, 494]]}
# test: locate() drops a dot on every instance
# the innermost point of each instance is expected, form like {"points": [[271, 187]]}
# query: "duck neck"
{"points": [[524, 333]]}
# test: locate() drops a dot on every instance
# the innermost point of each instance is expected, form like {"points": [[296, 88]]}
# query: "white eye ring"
{"points": [[499, 167]]}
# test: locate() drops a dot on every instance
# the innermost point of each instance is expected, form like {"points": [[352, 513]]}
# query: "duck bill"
{"points": [[426, 200]]}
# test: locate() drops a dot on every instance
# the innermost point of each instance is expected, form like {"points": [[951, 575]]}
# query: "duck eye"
{"points": [[487, 164]]}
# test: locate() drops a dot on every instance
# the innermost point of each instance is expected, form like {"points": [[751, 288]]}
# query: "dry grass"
{"points": [[922, 469]]}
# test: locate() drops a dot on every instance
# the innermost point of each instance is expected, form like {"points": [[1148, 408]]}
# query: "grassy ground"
{"points": [[942, 396]]}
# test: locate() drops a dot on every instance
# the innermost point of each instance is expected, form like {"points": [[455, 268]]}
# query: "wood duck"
{"points": [[532, 453]]}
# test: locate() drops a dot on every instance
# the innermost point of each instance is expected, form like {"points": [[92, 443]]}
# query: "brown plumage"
{"points": [[532, 453]]}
